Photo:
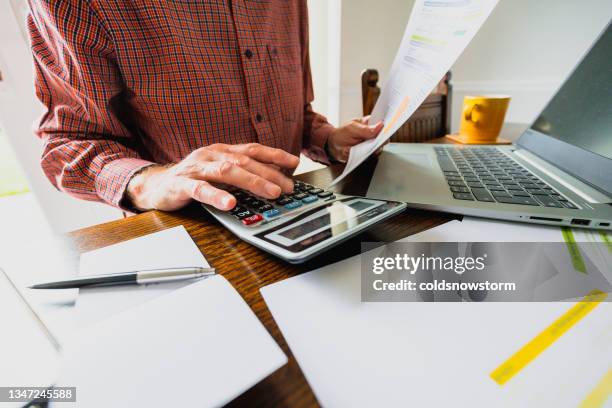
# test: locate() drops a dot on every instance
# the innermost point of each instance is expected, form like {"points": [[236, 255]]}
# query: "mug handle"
{"points": [[468, 113]]}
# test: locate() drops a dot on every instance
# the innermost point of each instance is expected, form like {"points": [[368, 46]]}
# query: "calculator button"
{"points": [[247, 200], [310, 199], [315, 191], [332, 197], [274, 212], [253, 219], [237, 209], [324, 194], [244, 214], [284, 201], [264, 207], [293, 204], [299, 196], [256, 203]]}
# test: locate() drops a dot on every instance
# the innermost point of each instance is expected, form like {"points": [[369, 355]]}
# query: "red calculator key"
{"points": [[253, 219]]}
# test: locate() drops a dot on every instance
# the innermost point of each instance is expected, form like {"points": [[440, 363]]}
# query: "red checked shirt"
{"points": [[127, 83]]}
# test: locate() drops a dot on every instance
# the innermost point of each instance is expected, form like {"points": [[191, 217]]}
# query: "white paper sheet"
{"points": [[28, 356], [200, 345], [472, 229], [435, 354], [436, 34], [165, 249]]}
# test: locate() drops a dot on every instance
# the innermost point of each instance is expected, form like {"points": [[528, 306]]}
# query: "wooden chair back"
{"points": [[431, 120]]}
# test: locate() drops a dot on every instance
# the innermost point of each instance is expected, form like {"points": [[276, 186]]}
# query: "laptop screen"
{"points": [[578, 120], [581, 111]]}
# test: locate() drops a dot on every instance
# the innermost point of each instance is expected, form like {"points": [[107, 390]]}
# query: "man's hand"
{"points": [[343, 138], [251, 167]]}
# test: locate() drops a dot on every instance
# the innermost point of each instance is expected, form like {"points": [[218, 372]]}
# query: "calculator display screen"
{"points": [[325, 220], [360, 205], [306, 228], [325, 223]]}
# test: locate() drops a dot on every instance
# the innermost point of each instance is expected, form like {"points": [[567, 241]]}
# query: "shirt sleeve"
{"points": [[87, 151], [316, 126]]}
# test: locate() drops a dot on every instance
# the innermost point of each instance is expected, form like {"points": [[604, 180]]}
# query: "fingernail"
{"points": [[273, 190], [226, 201]]}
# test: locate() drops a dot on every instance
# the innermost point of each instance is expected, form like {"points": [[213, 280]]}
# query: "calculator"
{"points": [[300, 225]]}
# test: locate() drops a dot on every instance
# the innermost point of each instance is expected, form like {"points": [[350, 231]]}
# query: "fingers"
{"points": [[364, 132], [266, 154], [268, 171], [344, 154], [271, 174], [206, 193], [252, 167], [232, 174], [378, 127]]}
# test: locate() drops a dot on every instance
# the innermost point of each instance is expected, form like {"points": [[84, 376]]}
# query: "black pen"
{"points": [[129, 278]]}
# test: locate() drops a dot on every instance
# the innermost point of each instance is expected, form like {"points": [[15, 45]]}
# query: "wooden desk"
{"points": [[249, 269]]}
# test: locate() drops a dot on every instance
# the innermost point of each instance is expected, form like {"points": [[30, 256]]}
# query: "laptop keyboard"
{"points": [[486, 174]]}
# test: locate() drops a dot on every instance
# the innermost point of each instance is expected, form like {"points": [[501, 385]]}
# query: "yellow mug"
{"points": [[483, 117]]}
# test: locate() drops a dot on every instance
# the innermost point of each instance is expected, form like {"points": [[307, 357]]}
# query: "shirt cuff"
{"points": [[112, 181], [318, 139]]}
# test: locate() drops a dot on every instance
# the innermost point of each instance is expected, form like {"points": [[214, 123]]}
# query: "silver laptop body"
{"points": [[559, 172]]}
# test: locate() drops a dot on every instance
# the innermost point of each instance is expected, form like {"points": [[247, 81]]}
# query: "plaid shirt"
{"points": [[128, 83]]}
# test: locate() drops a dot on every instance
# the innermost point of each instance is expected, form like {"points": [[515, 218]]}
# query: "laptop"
{"points": [[559, 172]]}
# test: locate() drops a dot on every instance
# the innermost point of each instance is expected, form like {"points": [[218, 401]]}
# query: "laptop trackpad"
{"points": [[408, 177]]}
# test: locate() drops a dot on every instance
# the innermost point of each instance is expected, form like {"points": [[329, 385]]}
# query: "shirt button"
{"points": [[248, 53], [258, 117]]}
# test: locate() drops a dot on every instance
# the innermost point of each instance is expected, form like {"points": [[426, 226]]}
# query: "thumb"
{"points": [[368, 132], [378, 127]]}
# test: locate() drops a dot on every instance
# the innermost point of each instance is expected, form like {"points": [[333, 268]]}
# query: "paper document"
{"points": [[165, 249], [28, 354], [403, 354], [200, 345], [437, 33], [356, 354], [471, 229]]}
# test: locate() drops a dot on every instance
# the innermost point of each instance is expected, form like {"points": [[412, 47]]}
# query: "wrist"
{"points": [[329, 154], [138, 191], [330, 148]]}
